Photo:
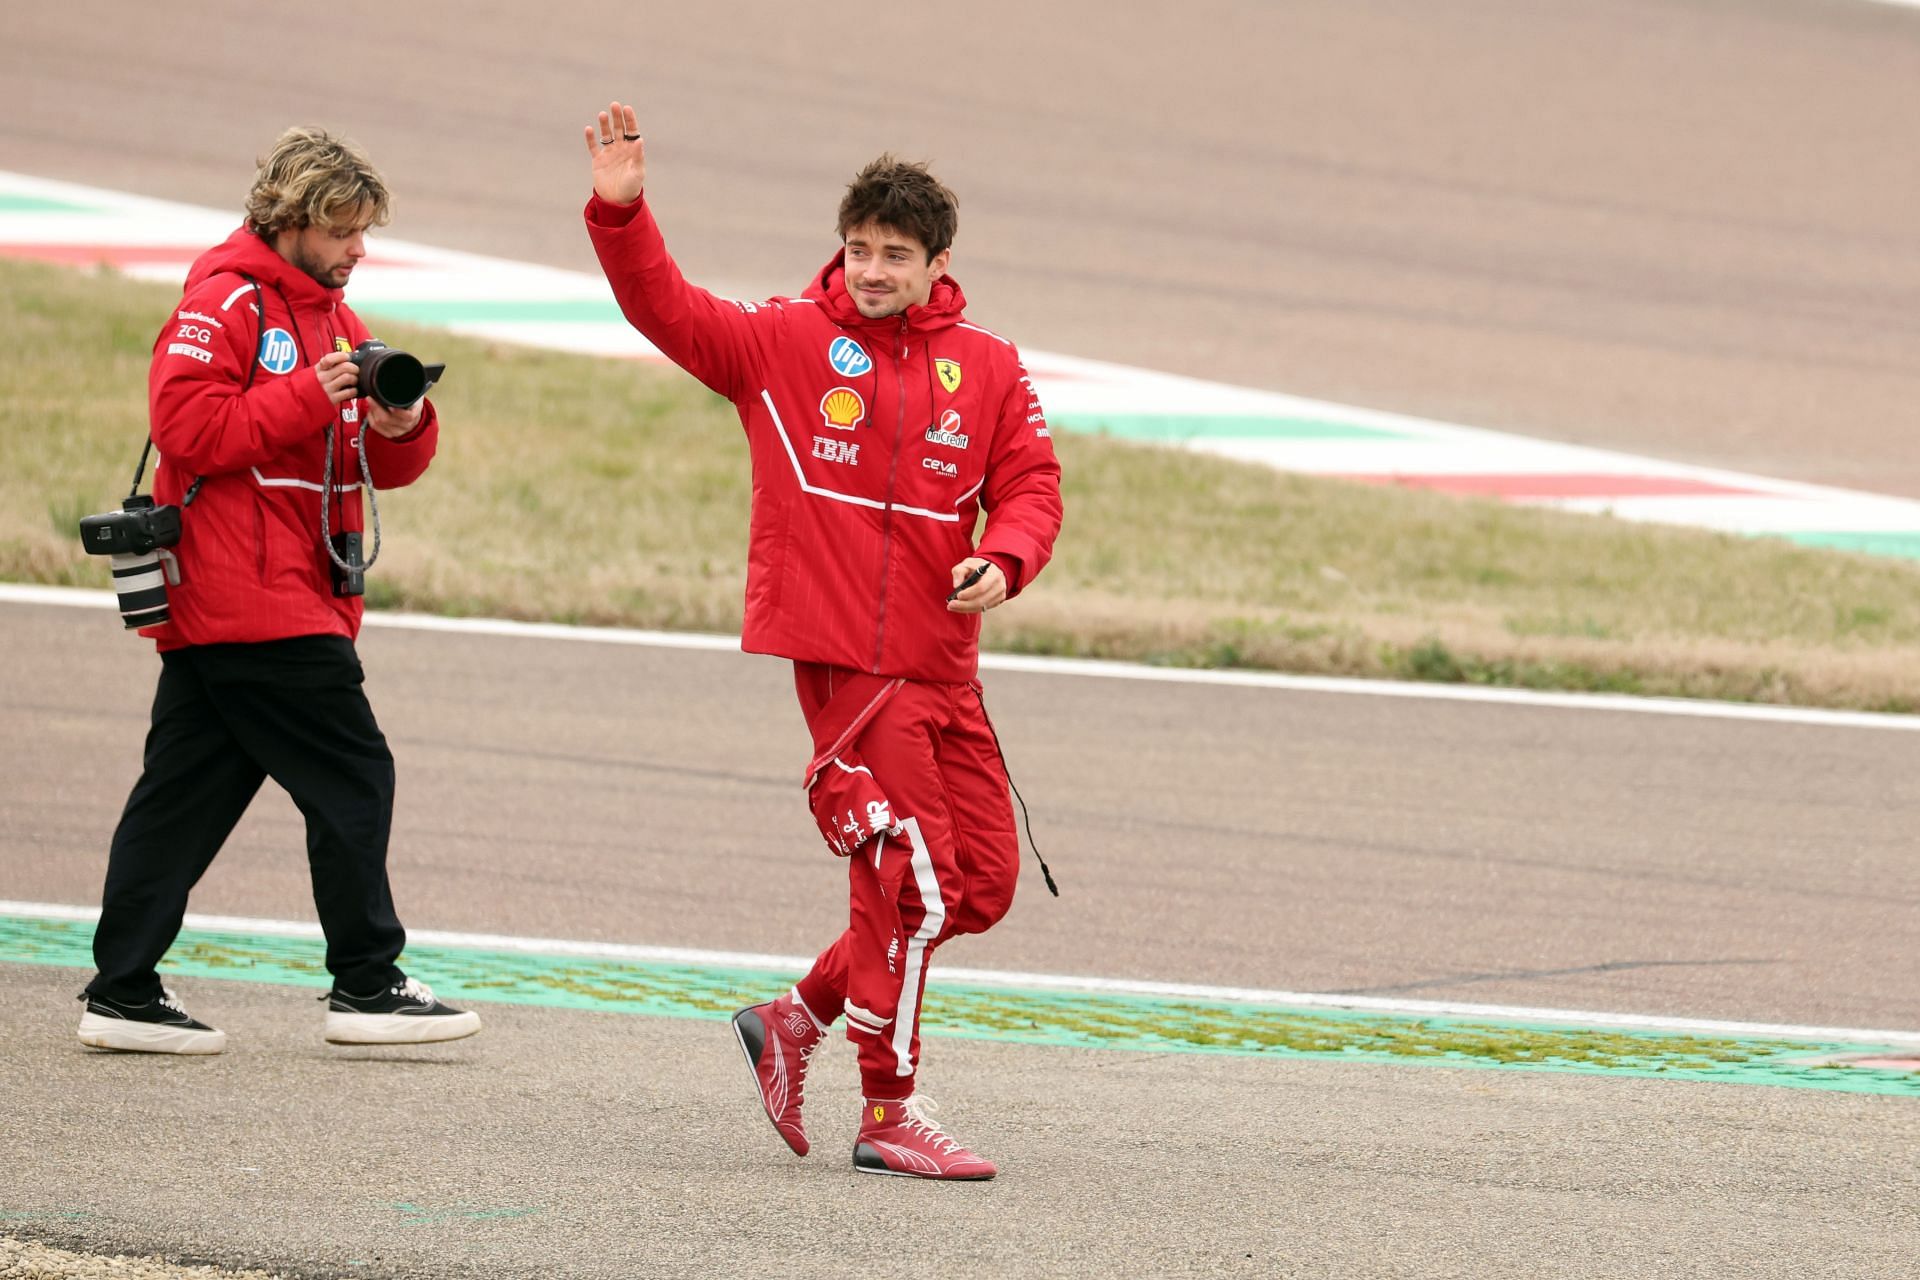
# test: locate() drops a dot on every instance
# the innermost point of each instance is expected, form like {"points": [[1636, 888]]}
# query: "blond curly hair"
{"points": [[313, 179]]}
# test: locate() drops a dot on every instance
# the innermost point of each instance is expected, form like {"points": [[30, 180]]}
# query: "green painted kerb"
{"points": [[1877, 544], [427, 311], [41, 204], [1072, 1019], [1223, 426]]}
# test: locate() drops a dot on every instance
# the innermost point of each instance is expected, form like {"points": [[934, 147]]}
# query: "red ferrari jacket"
{"points": [[252, 566], [876, 445]]}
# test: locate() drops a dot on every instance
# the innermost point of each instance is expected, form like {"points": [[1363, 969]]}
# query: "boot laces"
{"points": [[800, 1077], [414, 989], [168, 1000], [919, 1111]]}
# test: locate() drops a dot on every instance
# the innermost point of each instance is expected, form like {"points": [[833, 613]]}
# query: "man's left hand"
{"points": [[393, 423], [983, 594]]}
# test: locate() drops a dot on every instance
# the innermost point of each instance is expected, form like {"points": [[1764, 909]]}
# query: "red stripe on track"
{"points": [[1562, 485]]}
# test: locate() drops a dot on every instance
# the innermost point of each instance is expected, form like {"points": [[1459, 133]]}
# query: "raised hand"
{"points": [[619, 155]]}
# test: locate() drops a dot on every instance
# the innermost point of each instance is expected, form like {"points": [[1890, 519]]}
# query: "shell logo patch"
{"points": [[842, 408], [848, 358], [949, 372]]}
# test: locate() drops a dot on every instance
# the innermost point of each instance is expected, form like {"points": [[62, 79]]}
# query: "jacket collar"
{"points": [[248, 254]]}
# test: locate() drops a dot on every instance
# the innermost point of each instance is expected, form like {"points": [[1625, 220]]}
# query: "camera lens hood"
{"points": [[393, 378]]}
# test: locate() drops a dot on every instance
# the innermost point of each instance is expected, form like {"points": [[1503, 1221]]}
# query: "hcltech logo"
{"points": [[848, 358], [277, 351]]}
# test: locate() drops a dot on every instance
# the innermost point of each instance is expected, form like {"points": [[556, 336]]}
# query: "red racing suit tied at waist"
{"points": [[847, 801]]}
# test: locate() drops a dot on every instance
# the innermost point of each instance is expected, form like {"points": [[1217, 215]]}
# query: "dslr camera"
{"points": [[393, 378], [137, 537]]}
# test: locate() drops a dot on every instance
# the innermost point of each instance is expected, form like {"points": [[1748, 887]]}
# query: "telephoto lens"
{"points": [[141, 583], [135, 539]]}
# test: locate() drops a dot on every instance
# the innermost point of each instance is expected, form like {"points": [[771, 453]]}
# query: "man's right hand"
{"points": [[339, 376], [619, 155]]}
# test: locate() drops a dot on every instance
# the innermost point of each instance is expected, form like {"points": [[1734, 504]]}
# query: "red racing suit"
{"points": [[252, 566], [876, 446]]}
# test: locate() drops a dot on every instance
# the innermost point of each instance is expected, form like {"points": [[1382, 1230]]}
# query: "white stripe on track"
{"points": [[20, 593], [1034, 981]]}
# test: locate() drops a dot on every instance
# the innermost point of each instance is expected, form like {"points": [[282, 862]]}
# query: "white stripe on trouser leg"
{"points": [[933, 916]]}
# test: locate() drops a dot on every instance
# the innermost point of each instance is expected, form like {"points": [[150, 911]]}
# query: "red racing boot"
{"points": [[778, 1038], [902, 1139]]}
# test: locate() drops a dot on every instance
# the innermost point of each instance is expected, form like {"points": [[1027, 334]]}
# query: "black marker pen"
{"points": [[978, 572]]}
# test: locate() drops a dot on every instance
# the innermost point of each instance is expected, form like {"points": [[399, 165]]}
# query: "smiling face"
{"points": [[888, 271]]}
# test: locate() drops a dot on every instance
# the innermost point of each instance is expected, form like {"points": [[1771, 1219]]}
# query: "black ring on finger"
{"points": [[633, 137]]}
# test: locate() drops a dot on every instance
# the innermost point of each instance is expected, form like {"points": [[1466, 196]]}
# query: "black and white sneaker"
{"points": [[405, 1013], [159, 1025]]}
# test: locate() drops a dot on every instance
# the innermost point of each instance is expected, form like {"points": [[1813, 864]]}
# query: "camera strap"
{"points": [[326, 499]]}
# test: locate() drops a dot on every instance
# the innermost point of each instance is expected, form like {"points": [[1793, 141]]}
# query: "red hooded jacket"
{"points": [[876, 444], [252, 566]]}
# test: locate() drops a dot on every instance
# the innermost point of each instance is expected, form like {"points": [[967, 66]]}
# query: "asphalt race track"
{"points": [[1501, 854], [1681, 228]]}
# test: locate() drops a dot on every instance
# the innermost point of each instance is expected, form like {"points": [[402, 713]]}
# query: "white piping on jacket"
{"points": [[766, 398], [265, 483]]}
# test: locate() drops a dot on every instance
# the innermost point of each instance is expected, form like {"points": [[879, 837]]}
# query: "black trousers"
{"points": [[225, 718]]}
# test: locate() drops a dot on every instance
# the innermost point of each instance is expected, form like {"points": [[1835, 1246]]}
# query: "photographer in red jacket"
{"points": [[882, 424], [266, 440]]}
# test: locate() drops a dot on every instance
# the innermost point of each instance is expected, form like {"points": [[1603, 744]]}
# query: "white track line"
{"points": [[19, 593], [1033, 981]]}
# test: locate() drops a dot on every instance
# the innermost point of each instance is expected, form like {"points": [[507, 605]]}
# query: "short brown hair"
{"points": [[313, 179], [903, 196]]}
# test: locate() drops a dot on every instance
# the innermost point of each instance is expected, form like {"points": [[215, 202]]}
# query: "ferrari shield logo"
{"points": [[949, 371]]}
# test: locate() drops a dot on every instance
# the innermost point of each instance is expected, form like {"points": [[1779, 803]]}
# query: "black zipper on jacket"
{"points": [[886, 514]]}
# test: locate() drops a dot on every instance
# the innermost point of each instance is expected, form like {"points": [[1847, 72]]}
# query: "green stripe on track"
{"points": [[1227, 426], [430, 312], [1071, 1019], [1906, 545], [42, 204]]}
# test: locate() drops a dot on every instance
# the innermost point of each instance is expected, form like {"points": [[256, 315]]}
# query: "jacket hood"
{"points": [[945, 307], [248, 254]]}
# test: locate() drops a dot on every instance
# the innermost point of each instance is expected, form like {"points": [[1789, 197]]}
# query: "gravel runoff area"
{"points": [[24, 1260]]}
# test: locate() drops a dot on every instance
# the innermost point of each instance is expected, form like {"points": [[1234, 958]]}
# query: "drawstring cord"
{"points": [[1025, 816]]}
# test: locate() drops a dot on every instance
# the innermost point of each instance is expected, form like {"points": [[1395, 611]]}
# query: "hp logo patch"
{"points": [[277, 352], [847, 357]]}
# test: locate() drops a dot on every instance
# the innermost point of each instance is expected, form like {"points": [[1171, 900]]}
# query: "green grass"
{"points": [[602, 492]]}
